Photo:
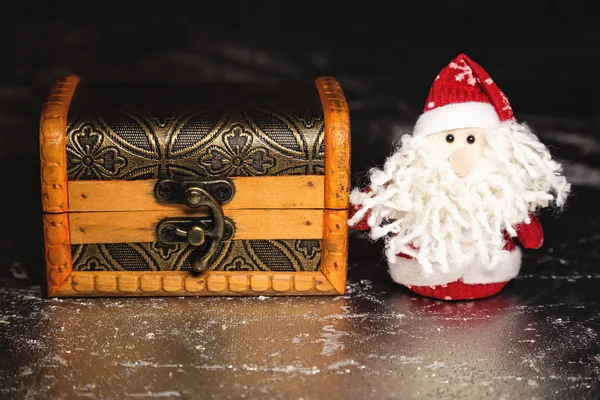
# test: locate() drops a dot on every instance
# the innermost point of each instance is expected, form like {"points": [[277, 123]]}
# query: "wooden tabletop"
{"points": [[537, 339]]}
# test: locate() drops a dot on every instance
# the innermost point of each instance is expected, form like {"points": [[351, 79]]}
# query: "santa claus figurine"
{"points": [[455, 193]]}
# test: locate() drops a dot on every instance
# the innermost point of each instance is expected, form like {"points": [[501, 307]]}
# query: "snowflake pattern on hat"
{"points": [[463, 96], [465, 72]]}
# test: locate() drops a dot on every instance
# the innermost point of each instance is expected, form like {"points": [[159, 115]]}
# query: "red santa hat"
{"points": [[463, 96]]}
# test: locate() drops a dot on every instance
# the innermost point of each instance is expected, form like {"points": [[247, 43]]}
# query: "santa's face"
{"points": [[462, 148]]}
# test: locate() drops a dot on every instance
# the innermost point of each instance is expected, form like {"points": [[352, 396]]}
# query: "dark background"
{"points": [[543, 55]]}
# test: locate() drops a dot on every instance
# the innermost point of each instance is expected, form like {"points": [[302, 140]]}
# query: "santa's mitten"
{"points": [[458, 290], [361, 225], [531, 235]]}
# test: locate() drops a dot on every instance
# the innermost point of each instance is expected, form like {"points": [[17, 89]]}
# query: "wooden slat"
{"points": [[303, 191], [140, 226]]}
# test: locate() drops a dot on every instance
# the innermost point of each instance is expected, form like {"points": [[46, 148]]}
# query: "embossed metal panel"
{"points": [[235, 255], [136, 131]]}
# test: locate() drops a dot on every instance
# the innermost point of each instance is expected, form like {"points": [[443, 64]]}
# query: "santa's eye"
{"points": [[470, 139], [450, 138]]}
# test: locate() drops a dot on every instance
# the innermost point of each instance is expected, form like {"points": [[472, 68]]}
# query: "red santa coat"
{"points": [[531, 236]]}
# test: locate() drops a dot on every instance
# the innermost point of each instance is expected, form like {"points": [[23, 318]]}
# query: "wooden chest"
{"points": [[195, 189]]}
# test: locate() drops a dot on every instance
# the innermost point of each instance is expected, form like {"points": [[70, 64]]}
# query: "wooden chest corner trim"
{"points": [[53, 152], [337, 143], [58, 250], [334, 248], [212, 283], [53, 172], [337, 182]]}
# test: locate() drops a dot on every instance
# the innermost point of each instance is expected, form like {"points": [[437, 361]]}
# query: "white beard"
{"points": [[426, 211]]}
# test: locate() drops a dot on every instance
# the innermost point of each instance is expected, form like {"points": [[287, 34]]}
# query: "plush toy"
{"points": [[455, 193]]}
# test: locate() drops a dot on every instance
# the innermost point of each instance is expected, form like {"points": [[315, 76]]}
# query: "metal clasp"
{"points": [[204, 233]]}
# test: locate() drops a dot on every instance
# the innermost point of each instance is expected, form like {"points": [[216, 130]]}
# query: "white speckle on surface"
{"points": [[338, 298], [533, 383], [345, 363], [298, 338], [291, 368], [531, 363], [143, 363], [436, 365], [59, 359], [168, 393], [330, 337], [346, 315]]}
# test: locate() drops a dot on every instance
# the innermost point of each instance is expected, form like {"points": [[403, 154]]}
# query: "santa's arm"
{"points": [[362, 224], [531, 235]]}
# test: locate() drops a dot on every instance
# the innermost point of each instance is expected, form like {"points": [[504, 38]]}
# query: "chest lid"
{"points": [[284, 146]]}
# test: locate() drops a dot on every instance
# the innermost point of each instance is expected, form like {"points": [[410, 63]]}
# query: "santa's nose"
{"points": [[464, 159]]}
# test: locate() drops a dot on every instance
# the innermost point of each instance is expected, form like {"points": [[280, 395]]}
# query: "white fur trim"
{"points": [[454, 116], [503, 272], [409, 272]]}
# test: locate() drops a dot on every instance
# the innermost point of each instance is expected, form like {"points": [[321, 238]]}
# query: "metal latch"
{"points": [[204, 233]]}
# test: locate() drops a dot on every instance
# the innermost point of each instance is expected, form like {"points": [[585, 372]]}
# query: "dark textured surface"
{"points": [[538, 339]]}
